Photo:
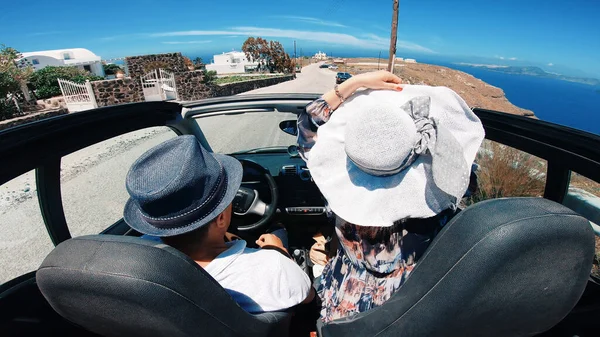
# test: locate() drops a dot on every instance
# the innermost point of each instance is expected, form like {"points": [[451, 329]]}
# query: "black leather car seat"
{"points": [[127, 286], [504, 267]]}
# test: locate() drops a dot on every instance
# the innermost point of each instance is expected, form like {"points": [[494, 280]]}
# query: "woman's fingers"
{"points": [[393, 86], [392, 78]]}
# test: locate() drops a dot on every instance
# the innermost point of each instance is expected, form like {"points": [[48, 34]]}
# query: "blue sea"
{"points": [[567, 103]]}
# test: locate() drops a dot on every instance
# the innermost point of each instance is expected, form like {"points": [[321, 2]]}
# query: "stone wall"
{"points": [[190, 87], [118, 91], [136, 65], [239, 87]]}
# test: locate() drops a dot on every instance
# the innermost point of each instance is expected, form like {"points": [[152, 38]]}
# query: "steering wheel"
{"points": [[247, 201]]}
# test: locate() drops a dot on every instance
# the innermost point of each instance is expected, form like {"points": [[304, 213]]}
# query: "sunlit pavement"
{"points": [[312, 80]]}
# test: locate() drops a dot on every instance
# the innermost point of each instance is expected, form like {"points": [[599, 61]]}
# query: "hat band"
{"points": [[408, 161], [198, 213]]}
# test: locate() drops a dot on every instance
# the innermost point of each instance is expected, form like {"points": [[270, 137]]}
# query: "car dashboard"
{"points": [[300, 201]]}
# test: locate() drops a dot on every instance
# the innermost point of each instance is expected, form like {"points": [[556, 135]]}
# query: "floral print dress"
{"points": [[367, 269]]}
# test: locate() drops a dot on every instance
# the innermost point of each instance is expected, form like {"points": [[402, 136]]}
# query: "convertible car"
{"points": [[502, 267]]}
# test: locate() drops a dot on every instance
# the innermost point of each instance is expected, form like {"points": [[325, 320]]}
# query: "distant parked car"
{"points": [[298, 69], [333, 67], [324, 66], [341, 77]]}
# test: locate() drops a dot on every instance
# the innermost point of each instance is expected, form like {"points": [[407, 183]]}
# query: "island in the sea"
{"points": [[533, 71]]}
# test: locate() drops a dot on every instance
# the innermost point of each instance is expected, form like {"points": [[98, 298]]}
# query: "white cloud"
{"points": [[122, 37], [187, 42], [45, 33], [500, 57], [513, 58], [369, 41], [550, 64], [313, 21]]}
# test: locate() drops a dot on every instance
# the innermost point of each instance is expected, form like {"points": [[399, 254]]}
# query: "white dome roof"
{"points": [[75, 53]]}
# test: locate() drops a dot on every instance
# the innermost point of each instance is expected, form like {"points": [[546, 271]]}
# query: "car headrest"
{"points": [[127, 286], [504, 267]]}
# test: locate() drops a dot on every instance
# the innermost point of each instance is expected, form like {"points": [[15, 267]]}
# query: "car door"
{"points": [[51, 200]]}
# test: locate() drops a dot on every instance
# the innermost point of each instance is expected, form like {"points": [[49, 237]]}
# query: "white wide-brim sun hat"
{"points": [[386, 155]]}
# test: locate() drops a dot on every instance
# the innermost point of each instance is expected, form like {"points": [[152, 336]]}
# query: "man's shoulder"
{"points": [[266, 254], [267, 258]]}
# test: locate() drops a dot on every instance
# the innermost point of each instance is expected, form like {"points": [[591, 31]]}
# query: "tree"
{"points": [[198, 63], [8, 86], [270, 53], [14, 72], [14, 65], [45, 81], [256, 49], [188, 63]]}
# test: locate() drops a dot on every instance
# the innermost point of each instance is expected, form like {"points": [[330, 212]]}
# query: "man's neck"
{"points": [[206, 251]]}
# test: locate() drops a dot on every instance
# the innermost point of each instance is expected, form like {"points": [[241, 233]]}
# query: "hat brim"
{"points": [[234, 172], [367, 200]]}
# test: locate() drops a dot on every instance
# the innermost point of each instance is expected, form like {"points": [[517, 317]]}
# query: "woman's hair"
{"points": [[423, 226]]}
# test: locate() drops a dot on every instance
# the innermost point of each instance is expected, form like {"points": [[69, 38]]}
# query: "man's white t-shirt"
{"points": [[259, 280]]}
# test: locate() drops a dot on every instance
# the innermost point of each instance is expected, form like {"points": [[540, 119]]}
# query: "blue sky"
{"points": [[553, 34]]}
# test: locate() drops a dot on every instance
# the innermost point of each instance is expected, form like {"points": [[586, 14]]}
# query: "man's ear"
{"points": [[220, 220]]}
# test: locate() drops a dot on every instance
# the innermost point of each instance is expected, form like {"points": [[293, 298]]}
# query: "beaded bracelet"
{"points": [[337, 93]]}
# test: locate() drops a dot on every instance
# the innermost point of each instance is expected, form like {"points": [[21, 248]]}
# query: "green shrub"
{"points": [[8, 87], [112, 69], [210, 77], [7, 109], [45, 81]]}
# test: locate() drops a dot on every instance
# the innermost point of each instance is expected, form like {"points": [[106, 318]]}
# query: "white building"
{"points": [[410, 61], [234, 62], [320, 56], [76, 57]]}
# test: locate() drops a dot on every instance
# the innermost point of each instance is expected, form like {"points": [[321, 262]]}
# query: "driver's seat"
{"points": [[127, 286]]}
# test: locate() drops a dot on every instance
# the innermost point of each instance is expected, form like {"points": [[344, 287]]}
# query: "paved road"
{"points": [[311, 80], [92, 179]]}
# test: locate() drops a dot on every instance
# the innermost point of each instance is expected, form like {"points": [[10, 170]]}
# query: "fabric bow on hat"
{"points": [[435, 139]]}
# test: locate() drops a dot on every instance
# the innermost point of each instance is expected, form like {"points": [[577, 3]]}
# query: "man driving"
{"points": [[183, 194]]}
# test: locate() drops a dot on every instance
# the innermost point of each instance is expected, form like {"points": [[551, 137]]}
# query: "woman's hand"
{"points": [[378, 80], [318, 252]]}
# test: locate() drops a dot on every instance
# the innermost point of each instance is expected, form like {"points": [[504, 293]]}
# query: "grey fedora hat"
{"points": [[178, 186]]}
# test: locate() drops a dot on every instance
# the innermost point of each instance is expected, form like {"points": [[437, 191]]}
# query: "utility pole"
{"points": [[379, 60], [394, 36]]}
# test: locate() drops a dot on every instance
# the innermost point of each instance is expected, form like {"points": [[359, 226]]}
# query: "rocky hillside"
{"points": [[474, 91]]}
